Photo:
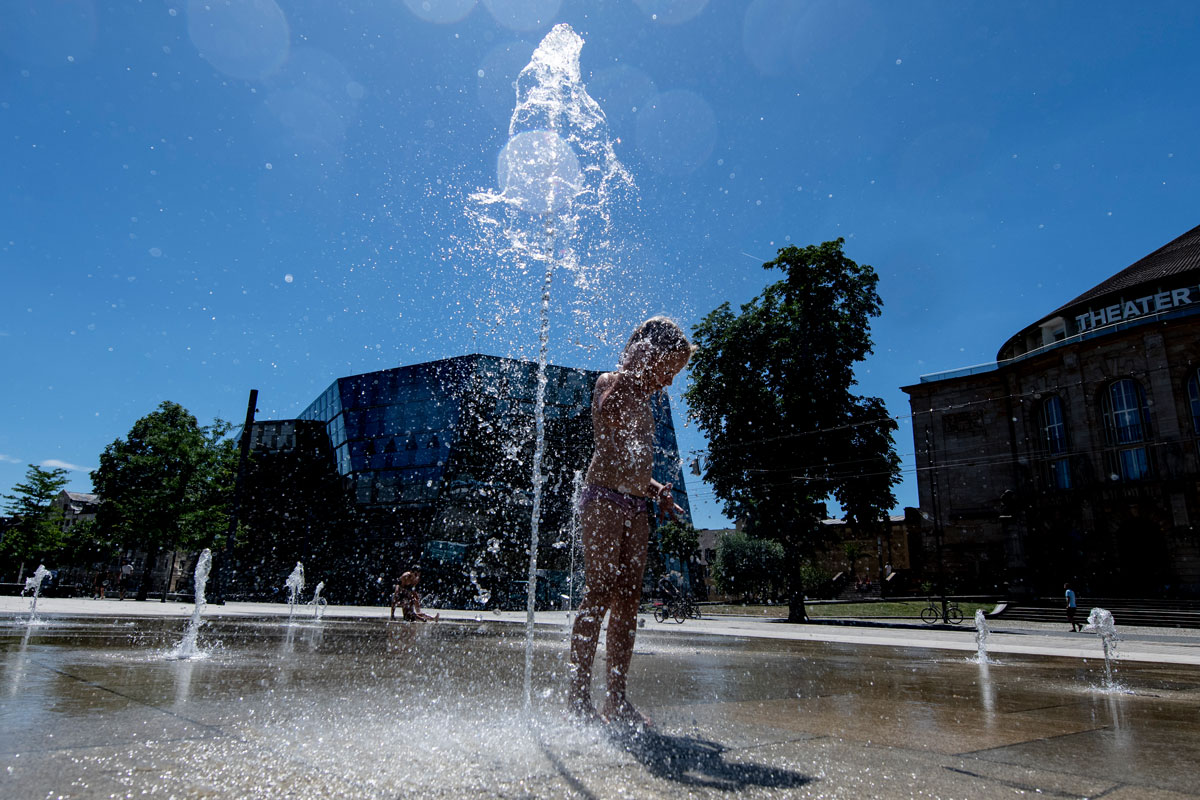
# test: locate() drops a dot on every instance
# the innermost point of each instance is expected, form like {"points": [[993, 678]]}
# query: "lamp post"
{"points": [[218, 579]]}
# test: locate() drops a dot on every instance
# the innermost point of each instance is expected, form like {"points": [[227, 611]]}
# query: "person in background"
{"points": [[404, 595], [1070, 594], [124, 578]]}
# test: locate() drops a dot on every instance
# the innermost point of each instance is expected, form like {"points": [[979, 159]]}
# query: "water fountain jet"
{"points": [[318, 602], [294, 585], [34, 582], [558, 158], [1100, 621], [981, 637], [187, 647]]}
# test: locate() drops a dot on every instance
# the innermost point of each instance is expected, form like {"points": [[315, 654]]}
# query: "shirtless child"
{"points": [[615, 511], [404, 595]]}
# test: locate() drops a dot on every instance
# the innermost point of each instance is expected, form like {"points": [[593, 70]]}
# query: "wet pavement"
{"points": [[93, 706]]}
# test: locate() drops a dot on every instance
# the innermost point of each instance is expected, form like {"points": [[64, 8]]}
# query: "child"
{"points": [[615, 511], [404, 594]]}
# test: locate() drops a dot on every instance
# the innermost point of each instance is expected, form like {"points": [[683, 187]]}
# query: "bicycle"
{"points": [[677, 609], [933, 612]]}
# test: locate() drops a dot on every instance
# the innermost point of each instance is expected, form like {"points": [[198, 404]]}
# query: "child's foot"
{"points": [[623, 713], [581, 709]]}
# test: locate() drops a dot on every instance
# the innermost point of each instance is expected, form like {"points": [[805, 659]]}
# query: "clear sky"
{"points": [[200, 197]]}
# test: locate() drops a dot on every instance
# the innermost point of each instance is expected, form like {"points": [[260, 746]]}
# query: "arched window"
{"points": [[1127, 425], [1054, 440]]}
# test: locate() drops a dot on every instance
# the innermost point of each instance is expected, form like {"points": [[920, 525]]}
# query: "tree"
{"points": [[678, 539], [853, 553], [38, 532], [746, 566], [166, 485], [771, 388]]}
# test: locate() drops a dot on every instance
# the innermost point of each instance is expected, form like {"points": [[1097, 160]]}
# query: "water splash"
{"points": [[552, 214], [34, 582], [482, 595], [558, 176], [576, 531], [187, 647], [1100, 621], [981, 638], [294, 585], [318, 603]]}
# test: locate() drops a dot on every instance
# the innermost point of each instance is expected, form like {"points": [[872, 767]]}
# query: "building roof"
{"points": [[1176, 257], [83, 497]]}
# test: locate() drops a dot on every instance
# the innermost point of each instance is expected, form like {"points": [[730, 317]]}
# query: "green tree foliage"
{"points": [[771, 388], [853, 553], [678, 539], [166, 485], [747, 567], [38, 533]]}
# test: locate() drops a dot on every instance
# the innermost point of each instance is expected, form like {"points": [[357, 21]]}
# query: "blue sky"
{"points": [[199, 198]]}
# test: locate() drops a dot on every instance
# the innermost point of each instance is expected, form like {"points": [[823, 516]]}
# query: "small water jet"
{"points": [[187, 647], [34, 582], [1100, 621], [294, 585], [576, 530], [318, 603], [981, 637]]}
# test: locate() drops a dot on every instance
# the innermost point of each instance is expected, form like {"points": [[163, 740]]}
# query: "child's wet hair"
{"points": [[663, 334]]}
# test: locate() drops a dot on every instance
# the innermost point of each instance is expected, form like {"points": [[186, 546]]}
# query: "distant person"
{"points": [[100, 584], [124, 579], [1075, 626], [667, 587], [614, 508], [404, 595]]}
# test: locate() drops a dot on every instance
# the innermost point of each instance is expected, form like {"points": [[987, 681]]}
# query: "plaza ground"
{"points": [[94, 706]]}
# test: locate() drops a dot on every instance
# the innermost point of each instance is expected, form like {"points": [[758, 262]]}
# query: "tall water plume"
{"points": [[559, 180]]}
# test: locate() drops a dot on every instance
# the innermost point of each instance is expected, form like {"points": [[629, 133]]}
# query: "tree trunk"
{"points": [[170, 575], [796, 611], [144, 588]]}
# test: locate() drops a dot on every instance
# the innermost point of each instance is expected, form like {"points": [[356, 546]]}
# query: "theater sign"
{"points": [[1140, 307]]}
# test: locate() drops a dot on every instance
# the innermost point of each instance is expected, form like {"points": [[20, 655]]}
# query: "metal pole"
{"points": [[235, 504]]}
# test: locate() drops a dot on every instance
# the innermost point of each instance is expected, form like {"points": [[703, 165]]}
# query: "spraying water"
{"points": [[187, 647], [576, 492], [1100, 621], [981, 637], [557, 173], [294, 585], [34, 582], [318, 602]]}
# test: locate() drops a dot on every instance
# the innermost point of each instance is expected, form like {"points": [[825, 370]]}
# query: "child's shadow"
{"points": [[697, 762]]}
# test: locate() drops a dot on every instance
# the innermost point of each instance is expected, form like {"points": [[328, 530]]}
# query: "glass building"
{"points": [[435, 461]]}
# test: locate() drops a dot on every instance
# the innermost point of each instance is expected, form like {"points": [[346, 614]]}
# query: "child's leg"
{"points": [[622, 622], [602, 527]]}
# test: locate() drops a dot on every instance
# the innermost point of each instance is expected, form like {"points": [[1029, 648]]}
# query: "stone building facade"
{"points": [[1076, 456]]}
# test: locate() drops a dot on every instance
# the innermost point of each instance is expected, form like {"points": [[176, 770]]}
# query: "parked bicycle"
{"points": [[677, 609], [933, 612]]}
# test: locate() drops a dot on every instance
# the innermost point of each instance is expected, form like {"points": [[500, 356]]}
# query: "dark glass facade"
{"points": [[435, 461]]}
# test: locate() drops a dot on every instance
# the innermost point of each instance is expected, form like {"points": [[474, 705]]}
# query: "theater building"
{"points": [[427, 464], [1076, 455]]}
